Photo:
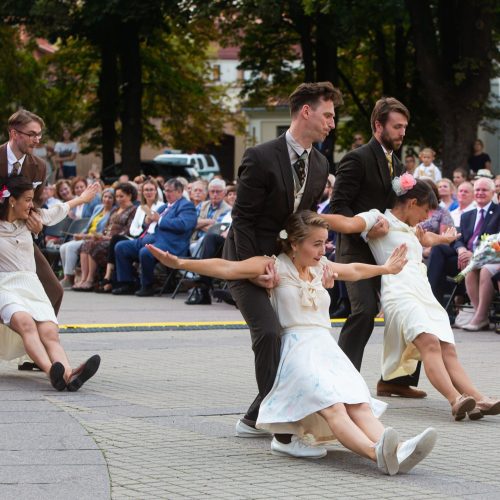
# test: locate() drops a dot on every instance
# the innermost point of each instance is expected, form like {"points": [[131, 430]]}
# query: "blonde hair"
{"points": [[298, 226]]}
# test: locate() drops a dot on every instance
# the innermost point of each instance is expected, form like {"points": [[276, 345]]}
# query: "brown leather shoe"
{"points": [[387, 389], [462, 405]]}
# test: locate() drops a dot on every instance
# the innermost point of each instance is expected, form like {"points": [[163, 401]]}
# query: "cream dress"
{"points": [[409, 305], [20, 288], [313, 373]]}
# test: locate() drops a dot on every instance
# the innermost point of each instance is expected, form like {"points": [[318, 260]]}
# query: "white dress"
{"points": [[409, 305], [313, 373], [20, 288]]}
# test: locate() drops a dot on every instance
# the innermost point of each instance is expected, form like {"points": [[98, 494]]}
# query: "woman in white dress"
{"points": [[24, 305], [416, 325], [318, 395]]}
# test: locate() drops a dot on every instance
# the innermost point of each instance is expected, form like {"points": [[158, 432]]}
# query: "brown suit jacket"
{"points": [[34, 169], [265, 198]]}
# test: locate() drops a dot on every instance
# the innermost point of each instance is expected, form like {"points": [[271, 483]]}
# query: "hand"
{"points": [[89, 193], [78, 236], [381, 228], [463, 259], [450, 235], [152, 217], [268, 280], [329, 247], [34, 222], [166, 258], [329, 276], [419, 232], [397, 260]]}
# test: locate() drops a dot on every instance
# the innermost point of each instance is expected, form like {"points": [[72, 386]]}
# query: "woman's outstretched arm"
{"points": [[216, 268], [358, 271], [346, 225]]}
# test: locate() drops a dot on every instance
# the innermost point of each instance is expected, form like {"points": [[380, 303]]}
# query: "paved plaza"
{"points": [[158, 419]]}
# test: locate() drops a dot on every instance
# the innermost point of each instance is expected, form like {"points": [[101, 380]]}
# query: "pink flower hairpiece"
{"points": [[402, 184], [4, 193]]}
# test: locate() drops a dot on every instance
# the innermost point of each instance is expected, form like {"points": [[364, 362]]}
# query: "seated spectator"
{"points": [[410, 164], [427, 167], [210, 211], [49, 196], [230, 197], [448, 260], [123, 179], [176, 221], [446, 190], [479, 160], [141, 225], [70, 250], [459, 176], [465, 199], [198, 193], [94, 253], [63, 190], [78, 186]]}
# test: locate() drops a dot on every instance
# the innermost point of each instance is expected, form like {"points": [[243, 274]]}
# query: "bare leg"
{"points": [[347, 432], [92, 271], [23, 324], [109, 271], [84, 264], [363, 417], [457, 373], [432, 357], [49, 335], [485, 296], [472, 287]]}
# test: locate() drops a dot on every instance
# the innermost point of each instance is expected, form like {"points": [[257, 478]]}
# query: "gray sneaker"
{"points": [[297, 448], [246, 431], [66, 284], [386, 452]]}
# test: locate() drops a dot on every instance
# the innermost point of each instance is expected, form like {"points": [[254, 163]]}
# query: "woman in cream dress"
{"points": [[29, 322], [416, 325], [318, 395]]}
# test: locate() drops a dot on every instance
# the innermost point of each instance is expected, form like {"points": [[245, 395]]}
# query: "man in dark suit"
{"points": [[276, 179], [174, 224], [448, 260], [363, 182], [25, 132]]}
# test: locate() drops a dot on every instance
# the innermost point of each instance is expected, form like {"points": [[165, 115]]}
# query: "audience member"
{"points": [[65, 152], [230, 197], [198, 193], [63, 190], [479, 159], [78, 186], [93, 253], [446, 190], [176, 221], [124, 178], [410, 164], [49, 196], [358, 140], [427, 167], [459, 176], [497, 187], [465, 199]]}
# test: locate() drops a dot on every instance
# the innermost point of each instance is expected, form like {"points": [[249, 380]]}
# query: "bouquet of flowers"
{"points": [[487, 252]]}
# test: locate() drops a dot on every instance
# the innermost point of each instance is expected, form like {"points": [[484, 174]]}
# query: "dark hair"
{"points": [[311, 94], [127, 188], [23, 117], [175, 183], [424, 191], [461, 170], [16, 185], [298, 227], [385, 106]]}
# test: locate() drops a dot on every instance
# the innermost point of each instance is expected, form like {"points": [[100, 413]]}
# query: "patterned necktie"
{"points": [[389, 162], [300, 167], [16, 168], [477, 231]]}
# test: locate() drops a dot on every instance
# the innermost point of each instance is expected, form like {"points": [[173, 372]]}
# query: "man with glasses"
{"points": [[17, 158]]}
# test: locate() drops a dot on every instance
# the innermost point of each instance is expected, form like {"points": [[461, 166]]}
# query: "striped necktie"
{"points": [[16, 168]]}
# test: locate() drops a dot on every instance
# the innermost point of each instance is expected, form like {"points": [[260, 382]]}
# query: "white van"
{"points": [[206, 165]]}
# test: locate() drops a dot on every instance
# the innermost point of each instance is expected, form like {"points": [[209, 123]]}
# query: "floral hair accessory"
{"points": [[283, 234], [401, 185], [4, 193]]}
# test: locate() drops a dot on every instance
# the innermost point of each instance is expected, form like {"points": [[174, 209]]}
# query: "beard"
{"points": [[389, 143]]}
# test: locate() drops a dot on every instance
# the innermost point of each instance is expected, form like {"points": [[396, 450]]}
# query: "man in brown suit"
{"points": [[16, 158], [276, 179]]}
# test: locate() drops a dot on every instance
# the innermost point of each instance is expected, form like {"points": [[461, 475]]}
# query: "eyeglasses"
{"points": [[31, 135]]}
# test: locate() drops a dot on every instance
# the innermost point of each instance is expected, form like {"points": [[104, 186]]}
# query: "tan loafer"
{"points": [[489, 406], [462, 405]]}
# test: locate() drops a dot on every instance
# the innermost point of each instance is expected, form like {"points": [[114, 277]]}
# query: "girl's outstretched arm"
{"points": [[358, 271], [216, 268], [343, 224]]}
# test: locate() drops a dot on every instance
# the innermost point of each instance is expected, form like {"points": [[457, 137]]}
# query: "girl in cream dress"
{"points": [[29, 324], [318, 395], [416, 325]]}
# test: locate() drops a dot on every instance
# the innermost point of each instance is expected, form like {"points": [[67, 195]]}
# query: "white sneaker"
{"points": [[246, 431], [297, 448], [386, 452], [414, 450]]}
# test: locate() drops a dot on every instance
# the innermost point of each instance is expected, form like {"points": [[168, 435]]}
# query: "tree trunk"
{"points": [[131, 99], [107, 94]]}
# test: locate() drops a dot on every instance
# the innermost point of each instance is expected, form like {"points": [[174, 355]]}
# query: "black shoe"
{"points": [[199, 296], [147, 291], [224, 296], [56, 375], [125, 290], [28, 366], [84, 372]]}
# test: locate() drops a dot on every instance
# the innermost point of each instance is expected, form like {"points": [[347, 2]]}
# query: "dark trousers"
{"points": [[358, 327], [49, 280], [257, 311], [112, 244], [443, 261]]}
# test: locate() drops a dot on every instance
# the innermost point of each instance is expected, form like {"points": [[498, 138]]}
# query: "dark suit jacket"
{"points": [[265, 198], [34, 169], [363, 182], [468, 221]]}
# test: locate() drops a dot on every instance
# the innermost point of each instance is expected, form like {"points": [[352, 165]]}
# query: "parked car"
{"points": [[206, 165], [111, 173]]}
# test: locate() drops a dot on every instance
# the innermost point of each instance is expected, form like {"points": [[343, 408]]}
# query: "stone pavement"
{"points": [[158, 420]]}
